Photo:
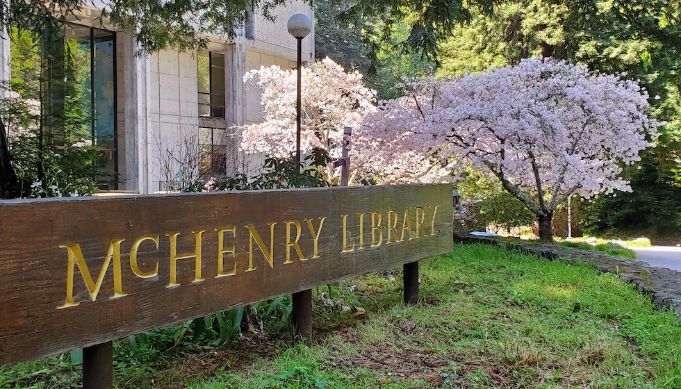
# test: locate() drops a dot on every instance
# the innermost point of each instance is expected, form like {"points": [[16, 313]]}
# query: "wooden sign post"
{"points": [[82, 272]]}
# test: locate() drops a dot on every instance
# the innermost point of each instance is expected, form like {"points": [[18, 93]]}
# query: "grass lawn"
{"points": [[616, 250], [489, 318]]}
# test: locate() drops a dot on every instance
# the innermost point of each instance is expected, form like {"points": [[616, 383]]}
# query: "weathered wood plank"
{"points": [[38, 316]]}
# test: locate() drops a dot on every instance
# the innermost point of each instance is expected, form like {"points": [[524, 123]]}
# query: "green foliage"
{"points": [[68, 171], [425, 23], [338, 40], [373, 46], [301, 373], [185, 24], [278, 173], [501, 209], [25, 72], [653, 208], [485, 203], [177, 24], [393, 64]]}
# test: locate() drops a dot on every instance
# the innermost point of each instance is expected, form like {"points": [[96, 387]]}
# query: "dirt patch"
{"points": [[396, 364]]}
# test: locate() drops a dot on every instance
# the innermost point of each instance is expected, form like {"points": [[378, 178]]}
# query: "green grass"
{"points": [[489, 318], [608, 248], [634, 242]]}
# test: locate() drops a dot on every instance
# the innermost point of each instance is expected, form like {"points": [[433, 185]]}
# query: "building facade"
{"points": [[158, 118]]}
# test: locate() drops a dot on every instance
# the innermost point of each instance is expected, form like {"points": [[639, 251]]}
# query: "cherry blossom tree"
{"points": [[331, 100], [544, 128]]}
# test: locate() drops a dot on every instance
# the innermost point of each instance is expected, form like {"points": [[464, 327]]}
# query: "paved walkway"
{"points": [[668, 257]]}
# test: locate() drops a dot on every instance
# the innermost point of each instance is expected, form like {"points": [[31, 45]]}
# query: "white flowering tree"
{"points": [[545, 129], [331, 100]]}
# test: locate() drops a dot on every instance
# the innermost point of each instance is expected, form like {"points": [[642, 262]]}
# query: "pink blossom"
{"points": [[546, 129]]}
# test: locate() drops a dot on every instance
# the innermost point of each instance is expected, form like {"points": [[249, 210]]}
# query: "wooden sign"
{"points": [[79, 272]]}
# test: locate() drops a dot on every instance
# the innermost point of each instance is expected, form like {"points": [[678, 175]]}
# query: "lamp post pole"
{"points": [[299, 64], [299, 26], [569, 217]]}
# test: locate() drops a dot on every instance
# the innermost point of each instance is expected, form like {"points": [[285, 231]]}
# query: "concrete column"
{"points": [[235, 96], [137, 82]]}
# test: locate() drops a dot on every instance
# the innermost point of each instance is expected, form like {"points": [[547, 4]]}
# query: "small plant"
{"points": [[515, 353], [280, 173]]}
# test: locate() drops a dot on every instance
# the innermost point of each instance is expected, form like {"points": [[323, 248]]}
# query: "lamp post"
{"points": [[569, 217], [299, 26]]}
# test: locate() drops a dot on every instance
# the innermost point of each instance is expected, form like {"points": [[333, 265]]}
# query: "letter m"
{"points": [[76, 258]]}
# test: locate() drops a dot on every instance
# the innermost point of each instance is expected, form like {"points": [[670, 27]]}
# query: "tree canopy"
{"points": [[184, 24], [544, 128], [637, 38]]}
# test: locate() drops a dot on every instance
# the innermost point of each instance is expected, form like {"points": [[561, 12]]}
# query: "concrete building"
{"points": [[151, 113]]}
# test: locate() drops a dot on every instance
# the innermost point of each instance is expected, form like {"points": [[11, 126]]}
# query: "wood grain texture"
{"points": [[33, 267]]}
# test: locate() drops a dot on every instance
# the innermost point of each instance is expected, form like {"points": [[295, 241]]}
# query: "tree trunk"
{"points": [[9, 183], [545, 230]]}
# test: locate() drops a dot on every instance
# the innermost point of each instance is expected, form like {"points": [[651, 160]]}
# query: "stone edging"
{"points": [[663, 285]]}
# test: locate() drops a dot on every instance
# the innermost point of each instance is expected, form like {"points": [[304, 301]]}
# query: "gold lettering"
{"points": [[346, 235], [376, 219], [315, 235], [419, 220], [406, 226], [253, 235], [75, 258], [432, 221], [133, 256], [293, 244], [391, 226], [222, 251], [174, 257]]}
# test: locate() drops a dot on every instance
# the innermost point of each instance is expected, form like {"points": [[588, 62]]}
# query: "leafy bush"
{"points": [[653, 208], [43, 170], [502, 210]]}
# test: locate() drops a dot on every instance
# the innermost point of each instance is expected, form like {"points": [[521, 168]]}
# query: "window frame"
{"points": [[213, 102]]}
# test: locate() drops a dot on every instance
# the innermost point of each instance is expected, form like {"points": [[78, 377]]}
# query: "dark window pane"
{"points": [[212, 142], [211, 84], [217, 112], [104, 98]]}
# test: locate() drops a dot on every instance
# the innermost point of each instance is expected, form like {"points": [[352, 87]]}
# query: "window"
{"points": [[249, 28], [77, 92], [211, 84], [213, 146], [95, 50]]}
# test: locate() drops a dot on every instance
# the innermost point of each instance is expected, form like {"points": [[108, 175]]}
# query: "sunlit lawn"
{"points": [[489, 318]]}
